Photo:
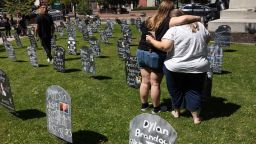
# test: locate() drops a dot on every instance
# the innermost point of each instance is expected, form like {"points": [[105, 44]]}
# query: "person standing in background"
{"points": [[7, 26], [45, 29]]}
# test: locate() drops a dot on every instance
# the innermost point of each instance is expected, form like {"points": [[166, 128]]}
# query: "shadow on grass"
{"points": [[3, 57], [29, 114], [217, 107], [229, 50], [168, 103], [71, 70], [43, 65], [101, 77], [20, 61], [75, 58], [223, 72], [134, 45], [103, 57], [88, 137]]}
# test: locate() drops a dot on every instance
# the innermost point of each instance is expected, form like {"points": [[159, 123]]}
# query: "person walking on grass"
{"points": [[45, 29], [152, 77], [186, 65]]}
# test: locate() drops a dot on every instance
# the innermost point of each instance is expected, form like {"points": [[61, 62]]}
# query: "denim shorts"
{"points": [[154, 61]]}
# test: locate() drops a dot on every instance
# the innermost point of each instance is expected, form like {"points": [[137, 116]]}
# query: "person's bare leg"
{"points": [[155, 80], [196, 117], [145, 85]]}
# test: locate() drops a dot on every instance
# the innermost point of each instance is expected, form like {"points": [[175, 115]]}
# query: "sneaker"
{"points": [[175, 113], [51, 61], [158, 110], [144, 107], [48, 60]]}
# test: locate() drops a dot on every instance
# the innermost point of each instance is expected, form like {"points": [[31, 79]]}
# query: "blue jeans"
{"points": [[185, 89]]}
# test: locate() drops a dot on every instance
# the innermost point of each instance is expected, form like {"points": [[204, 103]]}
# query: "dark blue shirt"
{"points": [[44, 24]]}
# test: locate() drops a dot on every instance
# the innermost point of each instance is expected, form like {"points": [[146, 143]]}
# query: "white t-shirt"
{"points": [[189, 54]]}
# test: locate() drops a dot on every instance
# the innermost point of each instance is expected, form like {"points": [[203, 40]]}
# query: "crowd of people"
{"points": [[174, 45]]}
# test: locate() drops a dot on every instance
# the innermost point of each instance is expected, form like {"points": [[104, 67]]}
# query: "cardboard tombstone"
{"points": [[223, 35], [127, 34], [85, 33], [109, 32], [32, 39], [89, 29], [103, 36], [59, 59], [4, 38], [94, 45], [60, 30], [151, 129], [6, 98], [32, 56], [132, 71], [72, 46], [10, 51], [58, 112], [123, 49], [87, 59], [17, 39], [132, 21], [138, 24], [118, 21], [215, 57]]}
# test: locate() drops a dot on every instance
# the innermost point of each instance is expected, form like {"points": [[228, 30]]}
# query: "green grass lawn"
{"points": [[103, 105]]}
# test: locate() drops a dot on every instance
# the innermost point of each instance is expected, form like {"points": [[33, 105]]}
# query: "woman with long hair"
{"points": [[157, 26]]}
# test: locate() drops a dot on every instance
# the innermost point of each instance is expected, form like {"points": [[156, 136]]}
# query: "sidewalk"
{"points": [[9, 39]]}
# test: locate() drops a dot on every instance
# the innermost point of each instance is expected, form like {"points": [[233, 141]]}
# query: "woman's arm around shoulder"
{"points": [[163, 45], [185, 19]]}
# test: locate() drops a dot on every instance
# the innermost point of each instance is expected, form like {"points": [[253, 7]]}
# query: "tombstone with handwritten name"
{"points": [[72, 46], [58, 111], [17, 39], [215, 57], [60, 30], [6, 98], [138, 24], [32, 56], [223, 35], [151, 129], [94, 45], [32, 39], [123, 49], [85, 33], [59, 59], [87, 59], [10, 51], [132, 72]]}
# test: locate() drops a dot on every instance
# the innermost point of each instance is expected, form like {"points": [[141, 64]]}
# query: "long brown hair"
{"points": [[163, 11]]}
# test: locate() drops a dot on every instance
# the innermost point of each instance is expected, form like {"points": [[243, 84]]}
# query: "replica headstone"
{"points": [[223, 36], [17, 39], [72, 46], [32, 56], [151, 129], [138, 24], [123, 49], [32, 39], [59, 59], [60, 29], [93, 41], [132, 72], [87, 59], [215, 57], [58, 111], [6, 98], [10, 51], [85, 33]]}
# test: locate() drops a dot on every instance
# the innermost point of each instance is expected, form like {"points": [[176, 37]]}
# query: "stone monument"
{"points": [[241, 17]]}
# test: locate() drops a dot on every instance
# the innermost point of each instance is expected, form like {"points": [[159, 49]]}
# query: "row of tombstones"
{"points": [[144, 128]]}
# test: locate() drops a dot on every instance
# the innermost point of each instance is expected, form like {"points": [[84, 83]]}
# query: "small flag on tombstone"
{"points": [[71, 46], [10, 51], [87, 59], [58, 112], [132, 72], [6, 98], [59, 59], [151, 129], [32, 56]]}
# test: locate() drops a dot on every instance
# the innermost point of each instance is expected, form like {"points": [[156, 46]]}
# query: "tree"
{"points": [[22, 6]]}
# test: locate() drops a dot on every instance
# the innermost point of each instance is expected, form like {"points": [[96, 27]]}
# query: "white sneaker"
{"points": [[48, 60]]}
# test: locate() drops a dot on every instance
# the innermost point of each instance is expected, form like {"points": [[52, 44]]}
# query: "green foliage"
{"points": [[103, 105], [145, 8], [84, 7], [22, 6]]}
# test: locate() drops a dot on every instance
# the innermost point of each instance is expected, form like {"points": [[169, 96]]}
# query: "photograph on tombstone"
{"points": [[58, 112], [6, 98]]}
